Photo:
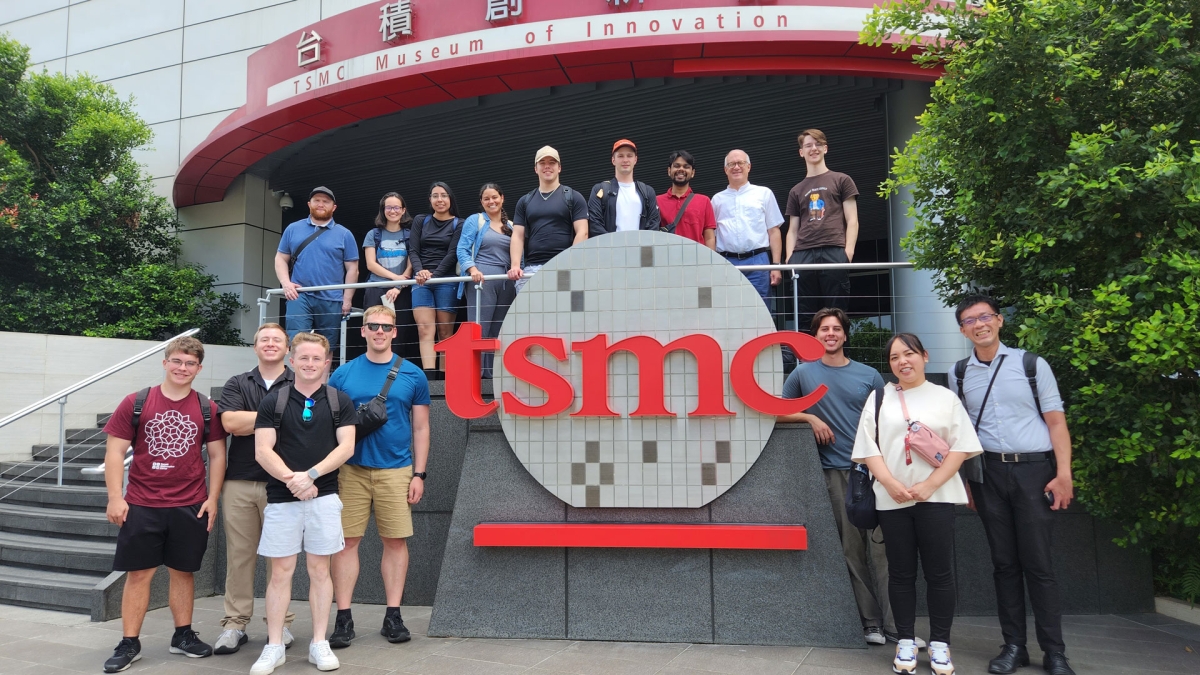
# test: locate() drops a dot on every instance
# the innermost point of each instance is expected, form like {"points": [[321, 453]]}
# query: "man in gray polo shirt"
{"points": [[834, 420], [1026, 478]]}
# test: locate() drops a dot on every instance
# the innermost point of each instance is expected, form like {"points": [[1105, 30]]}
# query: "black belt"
{"points": [[1010, 457], [743, 256]]}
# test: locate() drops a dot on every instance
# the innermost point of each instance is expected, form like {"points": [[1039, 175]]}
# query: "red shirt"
{"points": [[698, 217], [167, 469]]}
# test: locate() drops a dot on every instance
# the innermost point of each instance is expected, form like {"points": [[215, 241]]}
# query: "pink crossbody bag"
{"points": [[921, 439]]}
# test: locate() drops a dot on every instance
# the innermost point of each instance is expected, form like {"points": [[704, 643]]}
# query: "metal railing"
{"points": [[61, 398]]}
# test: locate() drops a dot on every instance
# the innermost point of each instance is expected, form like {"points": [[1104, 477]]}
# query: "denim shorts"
{"points": [[442, 297]]}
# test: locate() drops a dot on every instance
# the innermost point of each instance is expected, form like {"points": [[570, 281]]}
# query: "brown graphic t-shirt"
{"points": [[817, 201]]}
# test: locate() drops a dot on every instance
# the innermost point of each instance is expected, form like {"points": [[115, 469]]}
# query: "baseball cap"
{"points": [[546, 151], [322, 190], [625, 141]]}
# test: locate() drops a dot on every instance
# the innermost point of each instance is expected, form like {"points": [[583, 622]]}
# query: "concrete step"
{"points": [[56, 555], [47, 472], [55, 522], [92, 435], [73, 452], [67, 592], [71, 497]]}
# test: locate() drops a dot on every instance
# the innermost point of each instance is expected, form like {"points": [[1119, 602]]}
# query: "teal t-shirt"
{"points": [[390, 447], [840, 407]]}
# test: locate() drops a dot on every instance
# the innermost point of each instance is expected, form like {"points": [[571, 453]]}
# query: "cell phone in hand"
{"points": [[1049, 498]]}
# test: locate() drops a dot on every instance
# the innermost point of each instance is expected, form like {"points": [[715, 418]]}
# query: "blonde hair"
{"points": [[311, 338], [380, 309], [186, 345], [268, 326]]}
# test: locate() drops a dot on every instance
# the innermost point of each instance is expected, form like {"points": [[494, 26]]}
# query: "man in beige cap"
{"points": [[547, 221]]}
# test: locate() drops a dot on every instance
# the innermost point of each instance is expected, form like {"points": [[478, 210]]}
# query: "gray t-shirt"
{"points": [[840, 407], [493, 249], [391, 250]]}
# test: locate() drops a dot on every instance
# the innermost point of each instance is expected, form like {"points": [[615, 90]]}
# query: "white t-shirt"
{"points": [[268, 383], [629, 207], [939, 410]]}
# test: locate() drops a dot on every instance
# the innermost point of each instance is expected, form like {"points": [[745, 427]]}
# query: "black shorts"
{"points": [[171, 536]]}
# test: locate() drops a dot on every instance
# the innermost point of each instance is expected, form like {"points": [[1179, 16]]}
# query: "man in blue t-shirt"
{"points": [[834, 421], [316, 251], [387, 469]]}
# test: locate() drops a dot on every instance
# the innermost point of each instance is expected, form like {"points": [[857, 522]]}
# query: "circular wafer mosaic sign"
{"points": [[681, 449]]}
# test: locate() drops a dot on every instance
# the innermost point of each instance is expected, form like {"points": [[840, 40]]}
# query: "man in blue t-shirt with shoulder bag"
{"points": [[387, 471]]}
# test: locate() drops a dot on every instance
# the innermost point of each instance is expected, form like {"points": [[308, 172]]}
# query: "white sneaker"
{"points": [[892, 637], [939, 659], [230, 641], [288, 639], [322, 656], [906, 658], [271, 658], [874, 636]]}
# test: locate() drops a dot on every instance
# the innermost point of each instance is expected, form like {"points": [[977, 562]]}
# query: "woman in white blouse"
{"points": [[915, 502]]}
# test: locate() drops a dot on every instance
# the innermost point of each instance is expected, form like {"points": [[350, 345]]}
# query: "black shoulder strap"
{"points": [[391, 377], [304, 244], [960, 371], [986, 394], [206, 413], [1029, 360], [281, 403], [139, 402], [335, 405], [570, 204], [878, 407], [679, 216]]}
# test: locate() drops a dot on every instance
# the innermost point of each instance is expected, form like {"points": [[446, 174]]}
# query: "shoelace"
{"points": [[323, 649], [229, 632], [939, 655], [907, 653], [189, 638], [125, 646]]}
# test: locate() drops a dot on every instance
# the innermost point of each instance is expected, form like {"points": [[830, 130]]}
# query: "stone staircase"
{"points": [[56, 546]]}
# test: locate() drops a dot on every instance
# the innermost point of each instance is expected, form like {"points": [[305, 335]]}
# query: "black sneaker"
{"points": [[394, 630], [343, 633], [189, 645], [123, 656]]}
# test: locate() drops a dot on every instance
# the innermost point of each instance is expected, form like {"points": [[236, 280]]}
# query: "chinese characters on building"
{"points": [[308, 50], [395, 20], [503, 9]]}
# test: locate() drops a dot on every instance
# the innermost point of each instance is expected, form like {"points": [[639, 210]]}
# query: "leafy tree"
{"points": [[86, 247], [1058, 167]]}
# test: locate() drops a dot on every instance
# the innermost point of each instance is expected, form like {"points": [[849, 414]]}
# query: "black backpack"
{"points": [[335, 406], [139, 402], [1028, 360]]}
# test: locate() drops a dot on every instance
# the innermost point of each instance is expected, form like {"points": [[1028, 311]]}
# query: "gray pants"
{"points": [[497, 296], [865, 559]]}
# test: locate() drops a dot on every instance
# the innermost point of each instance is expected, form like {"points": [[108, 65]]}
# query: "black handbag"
{"points": [[373, 414], [860, 494]]}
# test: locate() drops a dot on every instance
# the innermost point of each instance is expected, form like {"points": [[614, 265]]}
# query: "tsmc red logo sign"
{"points": [[465, 398]]}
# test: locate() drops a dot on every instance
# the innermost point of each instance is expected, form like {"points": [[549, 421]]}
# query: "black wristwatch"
{"points": [[420, 474]]}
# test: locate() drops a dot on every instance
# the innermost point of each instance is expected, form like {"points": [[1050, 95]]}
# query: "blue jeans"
{"points": [[310, 314], [760, 279]]}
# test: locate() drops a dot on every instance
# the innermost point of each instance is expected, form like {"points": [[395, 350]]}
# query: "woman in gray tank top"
{"points": [[483, 250]]}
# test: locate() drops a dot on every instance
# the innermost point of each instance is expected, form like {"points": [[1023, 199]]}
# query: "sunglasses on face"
{"points": [[385, 327], [985, 318], [307, 414]]}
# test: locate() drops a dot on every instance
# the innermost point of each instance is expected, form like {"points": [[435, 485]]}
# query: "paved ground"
{"points": [[37, 642]]}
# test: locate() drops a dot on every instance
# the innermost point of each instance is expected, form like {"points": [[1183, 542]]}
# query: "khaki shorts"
{"points": [[359, 486]]}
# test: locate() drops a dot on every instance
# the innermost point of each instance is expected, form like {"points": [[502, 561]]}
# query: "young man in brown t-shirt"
{"points": [[822, 215]]}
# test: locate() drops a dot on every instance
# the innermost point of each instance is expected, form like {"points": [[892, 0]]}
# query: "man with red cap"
{"points": [[620, 204]]}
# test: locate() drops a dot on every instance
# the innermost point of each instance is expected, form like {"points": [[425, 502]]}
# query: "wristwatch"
{"points": [[313, 473], [420, 474]]}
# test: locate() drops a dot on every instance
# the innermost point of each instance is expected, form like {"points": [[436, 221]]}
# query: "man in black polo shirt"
{"points": [[244, 494], [547, 221], [301, 447]]}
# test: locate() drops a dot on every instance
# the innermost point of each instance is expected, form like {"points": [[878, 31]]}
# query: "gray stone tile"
{"points": [[591, 664], [544, 645], [645, 652], [436, 664], [768, 652], [708, 660], [495, 652]]}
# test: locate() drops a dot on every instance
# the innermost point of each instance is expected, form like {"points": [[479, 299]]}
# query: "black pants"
{"points": [[925, 529], [819, 289], [1020, 528], [405, 342]]}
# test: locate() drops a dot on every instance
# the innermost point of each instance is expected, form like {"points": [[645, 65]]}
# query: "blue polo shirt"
{"points": [[390, 447], [322, 262]]}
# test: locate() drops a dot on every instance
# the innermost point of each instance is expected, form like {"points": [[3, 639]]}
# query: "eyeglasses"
{"points": [[307, 414], [740, 165], [810, 146], [392, 209], [385, 327], [179, 363], [985, 318]]}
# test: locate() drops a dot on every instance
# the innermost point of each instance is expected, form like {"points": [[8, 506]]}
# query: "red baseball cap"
{"points": [[624, 141]]}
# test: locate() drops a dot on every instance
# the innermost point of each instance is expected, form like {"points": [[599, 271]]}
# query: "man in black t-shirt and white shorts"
{"points": [[547, 221], [302, 451]]}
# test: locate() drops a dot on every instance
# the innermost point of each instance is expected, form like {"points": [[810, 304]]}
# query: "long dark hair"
{"points": [[449, 193], [909, 339], [381, 219], [504, 227]]}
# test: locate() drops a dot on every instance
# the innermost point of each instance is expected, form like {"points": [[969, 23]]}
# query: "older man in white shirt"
{"points": [[748, 220]]}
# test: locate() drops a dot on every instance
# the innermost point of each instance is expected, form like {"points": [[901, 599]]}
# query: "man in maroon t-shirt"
{"points": [[697, 222], [167, 510]]}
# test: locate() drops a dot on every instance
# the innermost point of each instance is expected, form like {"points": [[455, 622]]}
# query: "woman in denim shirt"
{"points": [[483, 250]]}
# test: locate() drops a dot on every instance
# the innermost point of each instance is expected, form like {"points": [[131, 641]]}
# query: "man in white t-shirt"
{"points": [[622, 204]]}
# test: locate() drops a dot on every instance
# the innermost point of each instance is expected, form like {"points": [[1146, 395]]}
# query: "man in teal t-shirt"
{"points": [[834, 421], [387, 470]]}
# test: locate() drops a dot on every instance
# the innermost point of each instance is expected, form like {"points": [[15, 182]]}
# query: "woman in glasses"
{"points": [[386, 251], [914, 499], [483, 250], [432, 252]]}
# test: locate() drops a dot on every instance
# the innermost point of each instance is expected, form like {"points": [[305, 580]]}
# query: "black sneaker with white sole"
{"points": [[343, 633], [394, 630], [189, 645], [124, 655]]}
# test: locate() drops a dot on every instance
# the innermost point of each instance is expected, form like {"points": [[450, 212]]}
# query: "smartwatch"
{"points": [[313, 473], [420, 474]]}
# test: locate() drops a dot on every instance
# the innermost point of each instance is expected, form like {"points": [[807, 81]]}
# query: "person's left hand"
{"points": [[922, 491], [423, 276], [776, 277], [392, 294], [1063, 491], [209, 507], [345, 306], [416, 489]]}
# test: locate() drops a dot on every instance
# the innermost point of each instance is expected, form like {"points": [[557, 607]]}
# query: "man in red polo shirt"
{"points": [[682, 211]]}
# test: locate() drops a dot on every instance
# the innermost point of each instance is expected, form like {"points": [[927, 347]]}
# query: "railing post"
{"points": [[478, 302], [62, 436], [262, 309], [342, 342], [796, 298]]}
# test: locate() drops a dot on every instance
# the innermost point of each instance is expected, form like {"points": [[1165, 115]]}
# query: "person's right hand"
{"points": [[117, 511], [476, 275], [392, 294], [515, 273], [423, 276], [822, 431], [898, 491], [289, 290], [310, 493]]}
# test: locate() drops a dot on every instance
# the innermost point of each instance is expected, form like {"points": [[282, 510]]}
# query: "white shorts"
{"points": [[314, 525]]}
